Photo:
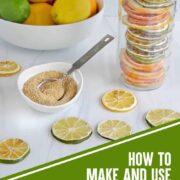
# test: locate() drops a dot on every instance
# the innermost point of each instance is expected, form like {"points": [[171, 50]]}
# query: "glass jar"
{"points": [[144, 41]]}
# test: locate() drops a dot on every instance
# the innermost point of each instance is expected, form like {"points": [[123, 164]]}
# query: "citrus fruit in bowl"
{"points": [[49, 24]]}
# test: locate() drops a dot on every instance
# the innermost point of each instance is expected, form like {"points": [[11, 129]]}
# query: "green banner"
{"points": [[149, 155]]}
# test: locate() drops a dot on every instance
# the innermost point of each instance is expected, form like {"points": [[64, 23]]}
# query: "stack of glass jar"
{"points": [[145, 28]]}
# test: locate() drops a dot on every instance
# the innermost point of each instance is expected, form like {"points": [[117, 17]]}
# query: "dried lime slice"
{"points": [[161, 116], [13, 150], [71, 130], [113, 129]]}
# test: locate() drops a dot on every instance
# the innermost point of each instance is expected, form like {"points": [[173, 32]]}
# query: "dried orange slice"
{"points": [[8, 68], [119, 100], [13, 150], [150, 27]]}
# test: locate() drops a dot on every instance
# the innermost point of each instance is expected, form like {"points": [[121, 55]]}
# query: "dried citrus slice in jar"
{"points": [[13, 150], [113, 129], [9, 68], [119, 100]]}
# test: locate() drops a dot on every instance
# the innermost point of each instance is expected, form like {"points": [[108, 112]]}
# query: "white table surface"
{"points": [[100, 74]]}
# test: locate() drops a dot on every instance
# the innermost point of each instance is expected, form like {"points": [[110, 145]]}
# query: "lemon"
{"points": [[119, 100], [13, 150], [71, 130], [161, 116], [71, 11], [8, 68], [113, 129]]}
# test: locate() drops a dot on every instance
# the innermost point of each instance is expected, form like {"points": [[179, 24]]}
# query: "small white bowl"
{"points": [[50, 37], [56, 66]]}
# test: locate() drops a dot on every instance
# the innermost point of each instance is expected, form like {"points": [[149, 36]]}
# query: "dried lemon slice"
{"points": [[8, 68], [119, 100], [13, 150], [113, 129], [161, 116], [71, 130]]}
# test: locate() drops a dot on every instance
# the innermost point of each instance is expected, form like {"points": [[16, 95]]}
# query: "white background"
{"points": [[102, 73]]}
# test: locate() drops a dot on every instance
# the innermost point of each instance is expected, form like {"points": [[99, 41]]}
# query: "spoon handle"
{"points": [[94, 50]]}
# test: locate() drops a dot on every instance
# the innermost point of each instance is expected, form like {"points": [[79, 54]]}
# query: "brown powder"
{"points": [[51, 92]]}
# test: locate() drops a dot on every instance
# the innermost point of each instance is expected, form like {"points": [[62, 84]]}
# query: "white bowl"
{"points": [[56, 66], [50, 37]]}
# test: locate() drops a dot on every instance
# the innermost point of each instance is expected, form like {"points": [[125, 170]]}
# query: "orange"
{"points": [[40, 15], [94, 7], [39, 1], [42, 1]]}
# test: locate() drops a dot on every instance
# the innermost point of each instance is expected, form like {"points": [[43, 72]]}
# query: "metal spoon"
{"points": [[80, 62]]}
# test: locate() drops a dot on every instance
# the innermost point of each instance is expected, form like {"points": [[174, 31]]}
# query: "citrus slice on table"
{"points": [[71, 130], [8, 68], [113, 129], [119, 100], [161, 116], [13, 150]]}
